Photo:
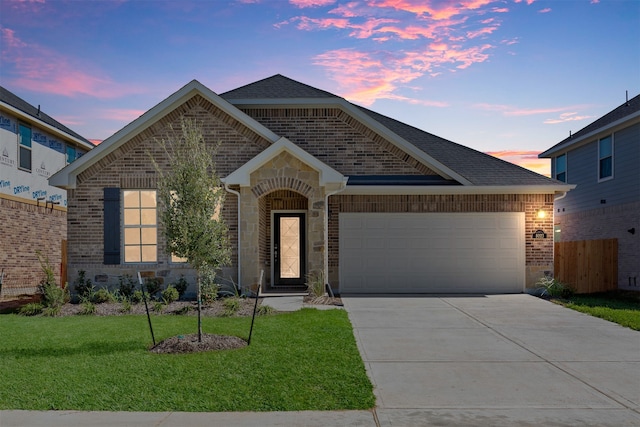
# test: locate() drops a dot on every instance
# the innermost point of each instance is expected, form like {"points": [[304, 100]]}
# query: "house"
{"points": [[602, 160], [33, 214], [318, 185]]}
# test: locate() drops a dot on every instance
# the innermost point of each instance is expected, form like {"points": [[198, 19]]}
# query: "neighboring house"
{"points": [[603, 160], [33, 146], [317, 185]]}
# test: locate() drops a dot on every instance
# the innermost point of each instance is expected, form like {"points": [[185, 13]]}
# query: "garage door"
{"points": [[432, 253]]}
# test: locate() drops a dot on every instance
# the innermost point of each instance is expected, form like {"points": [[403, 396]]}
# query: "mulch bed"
{"points": [[190, 344]]}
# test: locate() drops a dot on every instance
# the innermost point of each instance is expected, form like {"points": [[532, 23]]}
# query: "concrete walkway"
{"points": [[503, 360], [500, 360]]}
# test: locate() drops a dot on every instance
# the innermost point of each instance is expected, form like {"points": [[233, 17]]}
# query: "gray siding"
{"points": [[582, 169]]}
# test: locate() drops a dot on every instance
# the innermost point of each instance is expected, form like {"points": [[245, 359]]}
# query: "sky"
{"points": [[506, 77]]}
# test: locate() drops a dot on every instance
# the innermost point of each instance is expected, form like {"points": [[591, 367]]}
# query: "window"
{"points": [[140, 226], [605, 158], [71, 154], [24, 147], [561, 168]]}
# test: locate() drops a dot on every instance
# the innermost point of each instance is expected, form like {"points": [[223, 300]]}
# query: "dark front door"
{"points": [[289, 249]]}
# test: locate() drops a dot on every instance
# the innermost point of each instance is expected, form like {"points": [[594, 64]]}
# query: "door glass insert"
{"points": [[289, 247]]}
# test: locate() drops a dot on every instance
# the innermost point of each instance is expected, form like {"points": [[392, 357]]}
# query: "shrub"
{"points": [[53, 296], [554, 288], [153, 286], [315, 284], [51, 311], [184, 310], [137, 297], [126, 306], [170, 294], [103, 295], [231, 306], [181, 286], [88, 308], [265, 310], [31, 309], [158, 306], [126, 285], [83, 286]]}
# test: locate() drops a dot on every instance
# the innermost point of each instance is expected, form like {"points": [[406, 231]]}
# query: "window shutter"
{"points": [[111, 226]]}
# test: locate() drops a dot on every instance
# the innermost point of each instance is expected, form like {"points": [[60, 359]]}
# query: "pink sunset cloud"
{"points": [[311, 3], [39, 69], [430, 38], [526, 159]]}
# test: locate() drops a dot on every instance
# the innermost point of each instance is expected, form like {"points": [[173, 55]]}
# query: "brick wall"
{"points": [[611, 222], [538, 252], [27, 228], [338, 140]]}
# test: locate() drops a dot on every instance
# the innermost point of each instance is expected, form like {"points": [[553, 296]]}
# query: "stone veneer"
{"points": [[283, 172]]}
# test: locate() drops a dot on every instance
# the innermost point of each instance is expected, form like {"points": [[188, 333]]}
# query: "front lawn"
{"points": [[305, 360], [619, 307]]}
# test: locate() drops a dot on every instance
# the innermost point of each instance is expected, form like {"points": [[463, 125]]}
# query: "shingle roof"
{"points": [[276, 87], [628, 108], [20, 104], [478, 168]]}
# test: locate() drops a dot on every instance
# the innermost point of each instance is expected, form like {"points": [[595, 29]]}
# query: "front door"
{"points": [[289, 258]]}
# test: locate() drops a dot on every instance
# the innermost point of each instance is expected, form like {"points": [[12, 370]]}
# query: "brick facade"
{"points": [[28, 228], [283, 183], [611, 222]]}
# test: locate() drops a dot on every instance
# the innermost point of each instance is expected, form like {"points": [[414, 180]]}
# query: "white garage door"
{"points": [[432, 252]]}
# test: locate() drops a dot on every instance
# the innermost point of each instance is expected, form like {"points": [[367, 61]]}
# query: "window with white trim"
{"points": [[605, 158], [561, 168], [24, 147], [140, 226]]}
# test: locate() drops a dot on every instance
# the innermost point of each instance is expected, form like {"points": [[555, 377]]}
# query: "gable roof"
{"points": [[621, 115], [451, 160], [242, 176], [13, 102], [66, 177], [475, 171], [276, 87]]}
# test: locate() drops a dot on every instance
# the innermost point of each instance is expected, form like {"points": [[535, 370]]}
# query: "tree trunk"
{"points": [[199, 312]]}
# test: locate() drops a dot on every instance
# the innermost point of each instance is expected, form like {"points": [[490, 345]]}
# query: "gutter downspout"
{"points": [[343, 185], [237, 193]]}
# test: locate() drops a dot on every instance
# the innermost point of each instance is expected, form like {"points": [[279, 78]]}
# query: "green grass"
{"points": [[622, 308], [306, 360]]}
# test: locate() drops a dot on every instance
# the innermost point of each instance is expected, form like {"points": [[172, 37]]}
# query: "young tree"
{"points": [[190, 197]]}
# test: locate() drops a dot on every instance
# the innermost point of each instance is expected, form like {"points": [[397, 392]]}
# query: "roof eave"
{"points": [[583, 139], [462, 189], [52, 129], [66, 177]]}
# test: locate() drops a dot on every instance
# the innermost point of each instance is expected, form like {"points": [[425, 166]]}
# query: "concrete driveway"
{"points": [[499, 360]]}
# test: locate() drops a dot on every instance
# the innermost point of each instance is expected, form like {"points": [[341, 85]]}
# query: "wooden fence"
{"points": [[588, 266]]}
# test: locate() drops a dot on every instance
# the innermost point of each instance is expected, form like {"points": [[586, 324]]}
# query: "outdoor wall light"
{"points": [[541, 214]]}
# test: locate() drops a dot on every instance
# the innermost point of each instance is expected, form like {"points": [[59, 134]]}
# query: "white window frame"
{"points": [[21, 146], [139, 227], [600, 158]]}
